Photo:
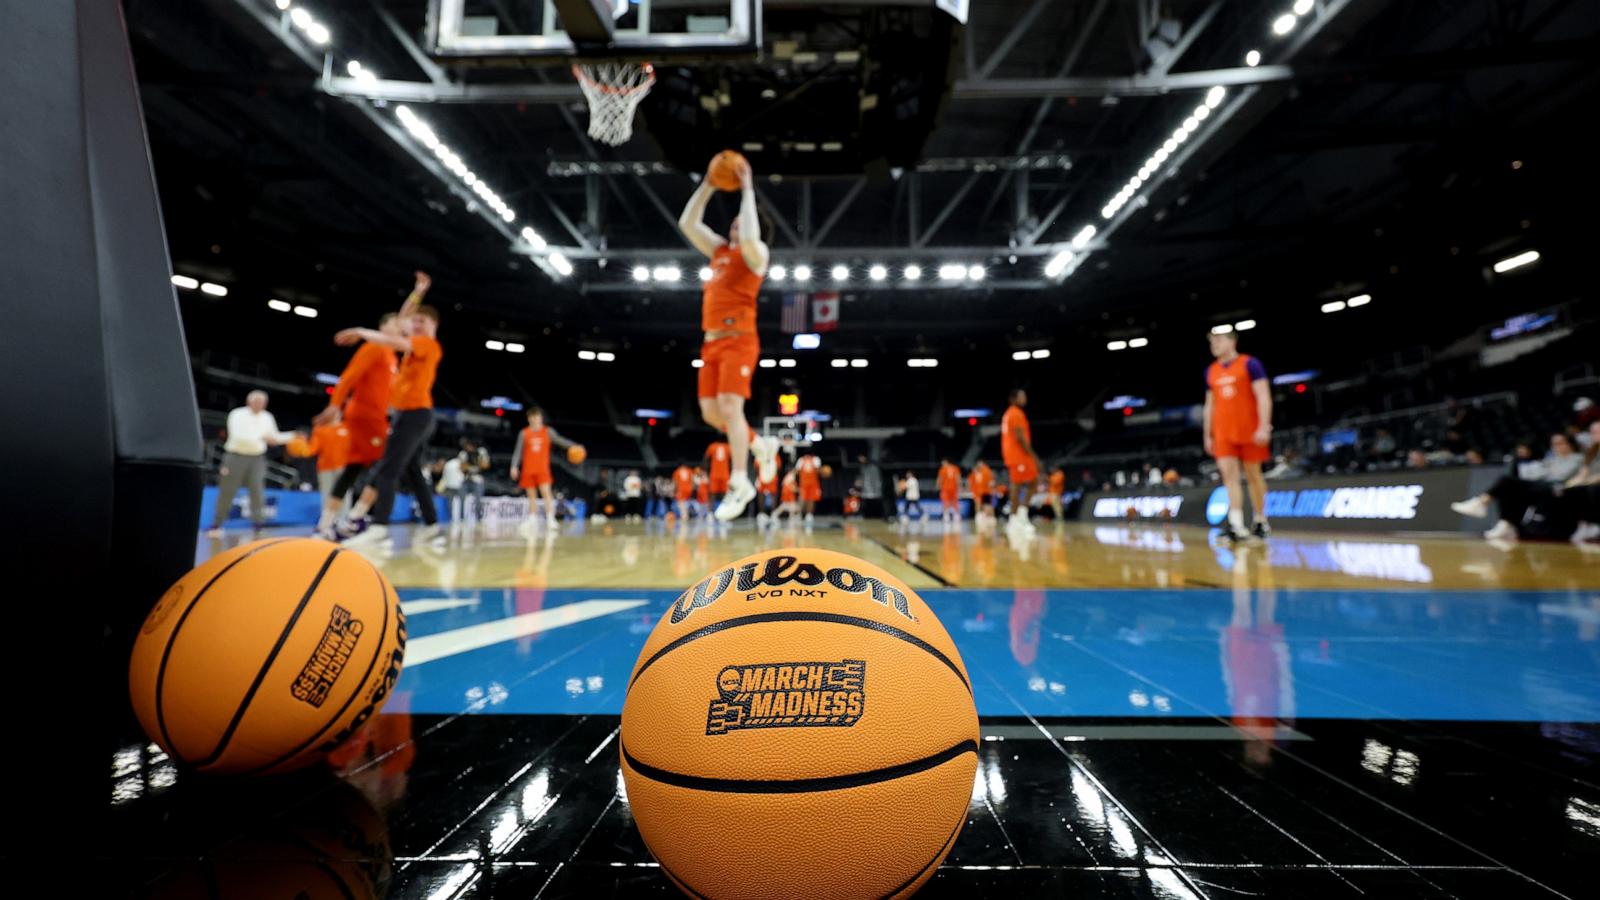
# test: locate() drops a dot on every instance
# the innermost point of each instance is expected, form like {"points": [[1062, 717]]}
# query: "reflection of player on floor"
{"points": [[1238, 429], [950, 491], [768, 488], [728, 317], [530, 466], [981, 482], [682, 490], [717, 457], [809, 470], [1022, 463], [1058, 488], [790, 497], [412, 423], [361, 401]]}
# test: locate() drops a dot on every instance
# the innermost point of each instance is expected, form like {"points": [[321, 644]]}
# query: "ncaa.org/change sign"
{"points": [[1397, 501]]}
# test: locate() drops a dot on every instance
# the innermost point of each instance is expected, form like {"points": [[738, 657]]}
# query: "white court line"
{"points": [[473, 637], [433, 604]]}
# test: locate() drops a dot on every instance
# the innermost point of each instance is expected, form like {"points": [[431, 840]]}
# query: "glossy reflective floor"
{"points": [[1162, 717]]}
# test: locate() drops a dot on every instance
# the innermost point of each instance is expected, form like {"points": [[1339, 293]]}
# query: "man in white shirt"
{"points": [[913, 493], [632, 495], [251, 430]]}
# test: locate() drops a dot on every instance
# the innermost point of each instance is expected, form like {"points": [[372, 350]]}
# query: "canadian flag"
{"points": [[825, 311]]}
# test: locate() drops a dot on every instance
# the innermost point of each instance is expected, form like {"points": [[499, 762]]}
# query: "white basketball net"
{"points": [[613, 91]]}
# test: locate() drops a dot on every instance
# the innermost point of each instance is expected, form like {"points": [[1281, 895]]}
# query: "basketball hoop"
{"points": [[613, 91]]}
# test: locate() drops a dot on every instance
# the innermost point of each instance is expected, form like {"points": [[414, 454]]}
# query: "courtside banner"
{"points": [[1408, 500]]}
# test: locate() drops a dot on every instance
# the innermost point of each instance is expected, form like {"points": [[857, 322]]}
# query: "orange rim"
{"points": [[650, 80]]}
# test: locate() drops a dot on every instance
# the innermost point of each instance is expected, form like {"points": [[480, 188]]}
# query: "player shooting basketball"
{"points": [[728, 318]]}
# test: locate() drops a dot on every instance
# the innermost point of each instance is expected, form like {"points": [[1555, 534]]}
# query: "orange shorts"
{"points": [[949, 498], [730, 363], [1023, 471], [811, 494], [367, 439], [534, 478], [1244, 451], [682, 496], [719, 485]]}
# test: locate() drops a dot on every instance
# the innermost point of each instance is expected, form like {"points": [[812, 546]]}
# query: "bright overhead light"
{"points": [[1302, 7], [1169, 145], [1333, 306], [1244, 325], [840, 363], [858, 364], [976, 273], [922, 363], [1083, 237], [1136, 343], [697, 363], [1190, 124], [1160, 156], [1516, 262], [785, 363], [215, 290], [666, 273], [533, 239], [1117, 345], [1201, 113], [1215, 95], [1284, 24], [319, 34], [602, 356], [586, 354], [1019, 354], [284, 4], [306, 312], [1222, 329], [1041, 354], [185, 282], [768, 364], [952, 272], [1253, 58], [1359, 300], [840, 273], [878, 272], [706, 273], [1106, 212], [279, 305], [777, 273], [560, 264], [912, 273], [1180, 134], [641, 273], [513, 347], [1058, 263], [802, 273], [301, 18], [499, 345]]}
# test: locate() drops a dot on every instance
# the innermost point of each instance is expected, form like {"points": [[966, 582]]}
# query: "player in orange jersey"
{"points": [[809, 469], [1238, 429], [361, 401], [412, 424], [789, 497], [330, 444], [981, 482], [702, 490], [949, 491], [530, 466], [682, 490], [1058, 489], [728, 318], [1022, 463]]}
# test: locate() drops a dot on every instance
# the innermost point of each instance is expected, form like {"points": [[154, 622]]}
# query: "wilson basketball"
{"points": [[799, 724], [297, 446], [267, 656], [724, 170], [576, 454]]}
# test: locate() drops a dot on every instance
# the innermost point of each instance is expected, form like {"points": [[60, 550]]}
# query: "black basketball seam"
{"points": [[377, 652], [344, 888], [797, 785], [834, 618], [944, 849], [172, 638], [261, 673]]}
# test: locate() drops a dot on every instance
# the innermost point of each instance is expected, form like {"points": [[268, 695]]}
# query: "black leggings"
{"points": [[349, 479], [409, 431], [1543, 510]]}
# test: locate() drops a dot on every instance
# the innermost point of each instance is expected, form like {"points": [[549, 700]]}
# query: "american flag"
{"points": [[794, 313]]}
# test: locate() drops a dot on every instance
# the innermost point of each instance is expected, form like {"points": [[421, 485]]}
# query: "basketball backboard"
{"points": [[646, 30]]}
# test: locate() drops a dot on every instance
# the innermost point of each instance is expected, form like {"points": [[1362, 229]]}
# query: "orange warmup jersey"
{"points": [[536, 449], [981, 482], [413, 387], [719, 454], [1010, 447], [365, 386], [809, 470], [1234, 416], [730, 295], [949, 480], [788, 494], [331, 444], [1058, 482], [683, 482]]}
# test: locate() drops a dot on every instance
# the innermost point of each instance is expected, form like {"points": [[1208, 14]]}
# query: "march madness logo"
{"points": [[785, 695], [327, 662]]}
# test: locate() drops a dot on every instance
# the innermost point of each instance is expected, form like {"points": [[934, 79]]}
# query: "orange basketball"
{"points": [[576, 454], [297, 446], [799, 724], [827, 471], [267, 656], [724, 170]]}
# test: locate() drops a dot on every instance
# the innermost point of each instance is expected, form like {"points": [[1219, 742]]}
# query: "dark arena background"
{"points": [[1222, 374]]}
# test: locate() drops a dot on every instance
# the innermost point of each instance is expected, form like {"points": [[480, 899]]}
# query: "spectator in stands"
{"points": [[1416, 459], [251, 430], [449, 482], [1530, 501], [1473, 457], [474, 462], [1383, 445], [1586, 413], [871, 488], [1287, 465], [632, 495]]}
